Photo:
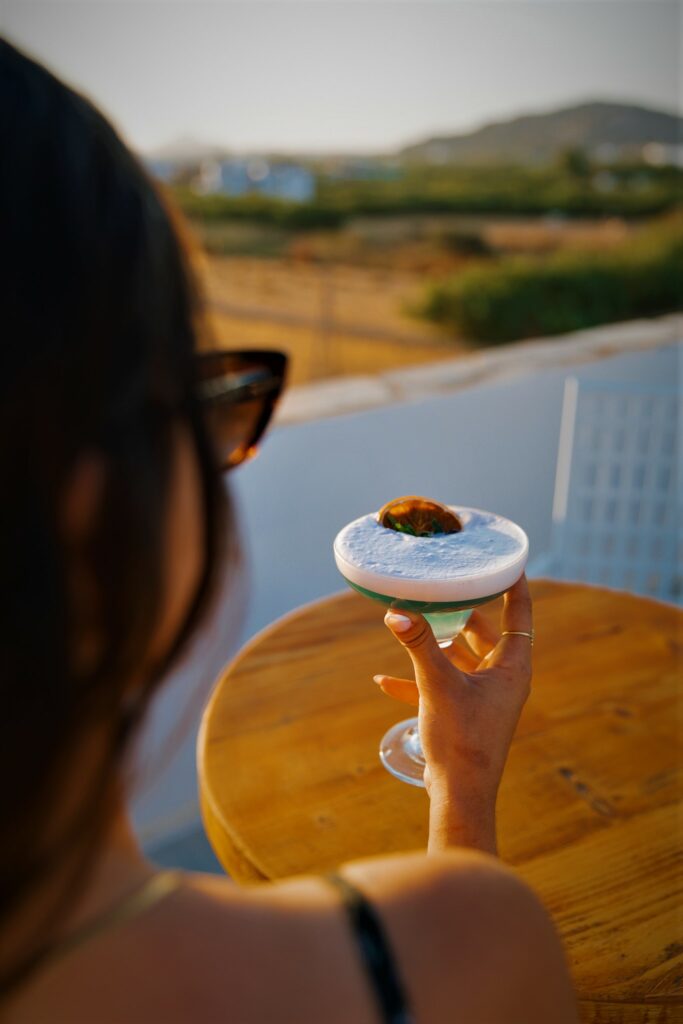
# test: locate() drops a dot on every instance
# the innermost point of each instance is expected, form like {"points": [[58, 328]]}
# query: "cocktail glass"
{"points": [[400, 749]]}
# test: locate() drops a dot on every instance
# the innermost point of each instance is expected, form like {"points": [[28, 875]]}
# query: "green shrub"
{"points": [[465, 243], [505, 190], [259, 210], [525, 298]]}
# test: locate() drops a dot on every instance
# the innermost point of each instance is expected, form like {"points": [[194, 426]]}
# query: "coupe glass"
{"points": [[491, 555]]}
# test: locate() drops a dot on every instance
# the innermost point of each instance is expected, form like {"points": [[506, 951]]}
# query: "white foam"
{"points": [[486, 557]]}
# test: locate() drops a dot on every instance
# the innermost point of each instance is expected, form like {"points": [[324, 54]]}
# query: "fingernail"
{"points": [[400, 623], [377, 679]]}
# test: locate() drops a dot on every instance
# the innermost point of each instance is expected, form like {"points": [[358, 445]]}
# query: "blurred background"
{"points": [[379, 184], [402, 195]]}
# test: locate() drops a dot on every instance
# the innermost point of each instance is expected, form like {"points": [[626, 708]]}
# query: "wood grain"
{"points": [[588, 810]]}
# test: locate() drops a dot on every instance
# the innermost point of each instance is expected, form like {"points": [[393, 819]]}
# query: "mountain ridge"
{"points": [[593, 125], [596, 126]]}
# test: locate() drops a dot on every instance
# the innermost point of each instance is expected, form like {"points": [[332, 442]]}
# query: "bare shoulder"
{"points": [[471, 942], [469, 933]]}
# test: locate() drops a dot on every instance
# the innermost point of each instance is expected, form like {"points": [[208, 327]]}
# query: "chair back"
{"points": [[618, 501]]}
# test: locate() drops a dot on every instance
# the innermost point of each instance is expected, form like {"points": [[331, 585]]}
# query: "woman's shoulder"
{"points": [[470, 937], [463, 931], [285, 951]]}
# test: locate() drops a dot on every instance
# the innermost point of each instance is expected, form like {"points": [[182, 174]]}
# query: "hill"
{"points": [[604, 130]]}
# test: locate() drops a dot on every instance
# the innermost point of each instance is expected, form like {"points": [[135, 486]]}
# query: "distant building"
{"points": [[164, 170], [657, 154], [256, 177]]}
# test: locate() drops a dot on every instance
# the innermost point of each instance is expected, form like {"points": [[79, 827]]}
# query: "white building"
{"points": [[256, 176]]}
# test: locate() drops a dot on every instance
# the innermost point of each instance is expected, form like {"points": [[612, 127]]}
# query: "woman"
{"points": [[111, 433]]}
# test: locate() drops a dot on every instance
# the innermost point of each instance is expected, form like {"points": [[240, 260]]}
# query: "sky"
{"points": [[359, 75]]}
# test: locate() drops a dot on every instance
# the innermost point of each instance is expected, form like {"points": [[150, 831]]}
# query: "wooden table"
{"points": [[291, 782]]}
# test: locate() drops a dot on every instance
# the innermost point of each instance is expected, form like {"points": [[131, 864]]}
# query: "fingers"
{"points": [[480, 634], [414, 633], [461, 656], [430, 663], [517, 613], [406, 689], [514, 652], [401, 689]]}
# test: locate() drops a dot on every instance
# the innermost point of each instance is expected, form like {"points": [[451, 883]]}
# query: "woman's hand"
{"points": [[469, 705]]}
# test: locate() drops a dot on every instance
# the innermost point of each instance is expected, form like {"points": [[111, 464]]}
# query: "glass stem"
{"points": [[413, 746]]}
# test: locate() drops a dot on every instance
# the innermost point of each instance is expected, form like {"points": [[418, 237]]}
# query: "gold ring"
{"points": [[519, 632]]}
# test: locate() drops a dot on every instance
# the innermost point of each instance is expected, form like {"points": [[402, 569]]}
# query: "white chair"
{"points": [[618, 503]]}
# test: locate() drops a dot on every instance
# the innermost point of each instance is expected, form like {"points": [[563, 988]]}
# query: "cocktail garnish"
{"points": [[419, 517]]}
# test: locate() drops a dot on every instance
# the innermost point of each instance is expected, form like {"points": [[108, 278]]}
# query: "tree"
{"points": [[574, 162]]}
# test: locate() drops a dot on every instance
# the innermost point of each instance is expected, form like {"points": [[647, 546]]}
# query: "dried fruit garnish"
{"points": [[419, 517]]}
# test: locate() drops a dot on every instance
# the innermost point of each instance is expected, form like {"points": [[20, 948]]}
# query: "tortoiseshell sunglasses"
{"points": [[239, 391]]}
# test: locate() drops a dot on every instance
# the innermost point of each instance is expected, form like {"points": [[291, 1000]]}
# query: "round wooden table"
{"points": [[290, 779]]}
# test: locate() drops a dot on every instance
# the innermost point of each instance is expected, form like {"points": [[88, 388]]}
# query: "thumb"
{"points": [[414, 633]]}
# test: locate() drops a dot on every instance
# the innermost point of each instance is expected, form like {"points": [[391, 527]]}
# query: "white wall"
{"points": [[492, 446]]}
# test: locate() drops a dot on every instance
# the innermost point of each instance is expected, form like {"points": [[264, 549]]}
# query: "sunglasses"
{"points": [[238, 392]]}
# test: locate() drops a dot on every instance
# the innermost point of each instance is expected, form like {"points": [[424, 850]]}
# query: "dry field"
{"points": [[337, 301], [332, 320], [546, 235]]}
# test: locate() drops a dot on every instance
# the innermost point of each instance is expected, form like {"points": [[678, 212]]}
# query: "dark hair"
{"points": [[99, 318]]}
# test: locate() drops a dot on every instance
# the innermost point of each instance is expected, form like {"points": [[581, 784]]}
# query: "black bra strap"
{"points": [[376, 954]]}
